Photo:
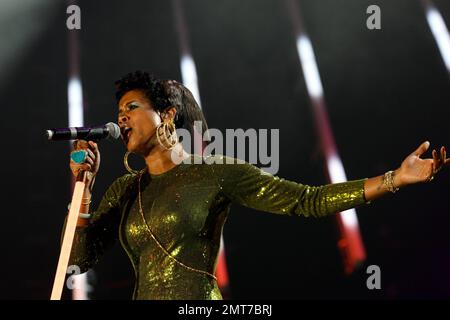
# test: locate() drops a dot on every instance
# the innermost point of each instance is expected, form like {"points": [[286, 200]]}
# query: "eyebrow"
{"points": [[126, 105]]}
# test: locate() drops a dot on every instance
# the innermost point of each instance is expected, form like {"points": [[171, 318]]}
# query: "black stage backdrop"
{"points": [[386, 92]]}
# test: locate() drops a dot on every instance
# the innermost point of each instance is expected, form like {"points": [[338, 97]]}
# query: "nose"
{"points": [[123, 119]]}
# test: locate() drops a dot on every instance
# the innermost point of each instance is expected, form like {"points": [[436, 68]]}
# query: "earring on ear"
{"points": [[166, 133]]}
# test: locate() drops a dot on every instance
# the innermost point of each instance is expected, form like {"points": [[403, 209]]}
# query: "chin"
{"points": [[131, 148], [142, 148]]}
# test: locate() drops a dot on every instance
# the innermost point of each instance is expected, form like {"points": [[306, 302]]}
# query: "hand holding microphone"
{"points": [[86, 155]]}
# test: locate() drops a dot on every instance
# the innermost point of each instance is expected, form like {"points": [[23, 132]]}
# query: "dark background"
{"points": [[386, 92]]}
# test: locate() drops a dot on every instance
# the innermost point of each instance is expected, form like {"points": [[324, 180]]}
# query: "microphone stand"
{"points": [[69, 234]]}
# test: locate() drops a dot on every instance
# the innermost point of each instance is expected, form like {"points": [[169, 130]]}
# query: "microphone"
{"points": [[109, 130]]}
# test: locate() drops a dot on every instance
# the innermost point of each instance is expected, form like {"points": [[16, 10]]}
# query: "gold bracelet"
{"points": [[86, 203], [388, 182]]}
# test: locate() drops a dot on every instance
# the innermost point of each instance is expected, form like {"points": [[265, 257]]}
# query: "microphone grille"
{"points": [[113, 129]]}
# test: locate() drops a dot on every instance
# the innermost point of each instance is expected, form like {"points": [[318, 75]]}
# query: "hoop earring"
{"points": [[166, 134], [127, 166]]}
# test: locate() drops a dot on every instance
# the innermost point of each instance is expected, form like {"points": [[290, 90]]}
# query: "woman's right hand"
{"points": [[92, 163]]}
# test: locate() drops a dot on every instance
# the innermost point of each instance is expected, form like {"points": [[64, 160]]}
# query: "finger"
{"points": [[431, 172], [86, 167], [93, 146], [96, 150], [81, 144], [422, 148], [445, 161], [443, 155], [435, 160], [439, 160], [90, 154], [81, 167], [89, 160]]}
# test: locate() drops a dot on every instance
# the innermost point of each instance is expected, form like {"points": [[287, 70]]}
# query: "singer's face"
{"points": [[138, 122]]}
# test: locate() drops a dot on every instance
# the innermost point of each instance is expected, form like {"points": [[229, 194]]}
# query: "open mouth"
{"points": [[126, 133]]}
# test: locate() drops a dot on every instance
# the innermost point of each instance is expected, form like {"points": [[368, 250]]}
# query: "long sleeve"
{"points": [[252, 187], [91, 241]]}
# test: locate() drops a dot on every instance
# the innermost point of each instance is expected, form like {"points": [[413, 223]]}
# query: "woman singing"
{"points": [[169, 216]]}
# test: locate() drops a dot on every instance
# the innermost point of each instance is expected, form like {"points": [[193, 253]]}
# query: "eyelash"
{"points": [[132, 107]]}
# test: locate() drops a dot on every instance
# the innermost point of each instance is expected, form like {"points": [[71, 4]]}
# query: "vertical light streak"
{"points": [[439, 30], [190, 80], [351, 244]]}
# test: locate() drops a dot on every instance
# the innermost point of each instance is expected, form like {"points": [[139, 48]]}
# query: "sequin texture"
{"points": [[186, 208]]}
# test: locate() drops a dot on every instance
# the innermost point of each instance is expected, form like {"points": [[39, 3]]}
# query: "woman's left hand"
{"points": [[416, 170]]}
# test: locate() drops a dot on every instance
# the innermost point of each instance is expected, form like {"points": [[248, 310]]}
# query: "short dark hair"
{"points": [[151, 87], [163, 94]]}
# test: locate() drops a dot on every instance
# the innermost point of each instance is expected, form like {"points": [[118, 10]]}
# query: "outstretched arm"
{"points": [[412, 170], [250, 186]]}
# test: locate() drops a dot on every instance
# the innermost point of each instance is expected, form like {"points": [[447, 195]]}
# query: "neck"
{"points": [[159, 160]]}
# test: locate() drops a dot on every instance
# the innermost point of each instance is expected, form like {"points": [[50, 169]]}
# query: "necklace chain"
{"points": [[141, 210]]}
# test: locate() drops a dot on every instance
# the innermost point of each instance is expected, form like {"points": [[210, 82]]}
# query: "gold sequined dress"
{"points": [[185, 209]]}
